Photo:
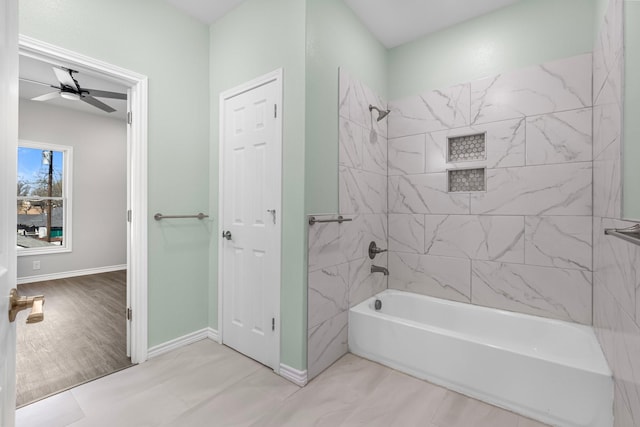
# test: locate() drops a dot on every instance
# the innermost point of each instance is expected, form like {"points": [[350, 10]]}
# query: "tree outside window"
{"points": [[43, 199]]}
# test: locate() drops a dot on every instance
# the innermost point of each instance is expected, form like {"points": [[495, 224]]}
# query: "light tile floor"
{"points": [[206, 384]]}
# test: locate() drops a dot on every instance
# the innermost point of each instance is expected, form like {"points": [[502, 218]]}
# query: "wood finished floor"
{"points": [[82, 337], [206, 384]]}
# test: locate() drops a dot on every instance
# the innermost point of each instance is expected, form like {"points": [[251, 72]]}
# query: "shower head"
{"points": [[381, 113]]}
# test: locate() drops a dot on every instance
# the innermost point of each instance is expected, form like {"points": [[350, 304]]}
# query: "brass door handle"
{"points": [[17, 303]]}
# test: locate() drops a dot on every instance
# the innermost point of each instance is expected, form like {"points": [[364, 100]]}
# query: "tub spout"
{"points": [[376, 269]]}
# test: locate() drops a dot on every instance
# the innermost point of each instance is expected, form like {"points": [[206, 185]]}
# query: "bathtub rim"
{"points": [[602, 368], [465, 389]]}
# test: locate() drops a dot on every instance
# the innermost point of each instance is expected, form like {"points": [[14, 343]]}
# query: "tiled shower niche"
{"points": [[467, 180], [524, 244], [466, 148]]}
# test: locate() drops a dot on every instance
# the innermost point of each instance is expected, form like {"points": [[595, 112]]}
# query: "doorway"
{"points": [[83, 336], [250, 217], [124, 287], [71, 232]]}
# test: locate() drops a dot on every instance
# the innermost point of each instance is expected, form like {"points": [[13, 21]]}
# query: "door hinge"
{"points": [[275, 111], [129, 117], [129, 313], [129, 215], [273, 323]]}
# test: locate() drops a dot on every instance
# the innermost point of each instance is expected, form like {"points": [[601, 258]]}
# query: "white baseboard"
{"points": [[213, 335], [67, 274], [294, 375], [202, 334]]}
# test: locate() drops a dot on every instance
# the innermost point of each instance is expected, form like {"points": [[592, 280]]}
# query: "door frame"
{"points": [[277, 77], [137, 131], [8, 157]]}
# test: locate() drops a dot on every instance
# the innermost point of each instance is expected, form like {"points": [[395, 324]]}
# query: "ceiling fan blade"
{"points": [[39, 83], [98, 104], [105, 94], [46, 96], [64, 77]]}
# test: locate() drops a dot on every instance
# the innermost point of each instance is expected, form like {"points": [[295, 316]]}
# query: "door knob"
{"points": [[226, 235], [272, 212], [17, 303]]}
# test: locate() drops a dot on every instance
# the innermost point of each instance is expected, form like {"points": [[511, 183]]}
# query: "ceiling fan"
{"points": [[70, 89]]}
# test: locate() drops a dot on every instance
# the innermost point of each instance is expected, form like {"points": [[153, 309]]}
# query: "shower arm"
{"points": [[381, 113]]}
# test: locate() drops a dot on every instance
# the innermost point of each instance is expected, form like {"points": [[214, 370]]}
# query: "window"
{"points": [[43, 198]]}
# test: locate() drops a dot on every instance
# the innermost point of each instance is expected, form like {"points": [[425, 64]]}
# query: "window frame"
{"points": [[67, 162]]}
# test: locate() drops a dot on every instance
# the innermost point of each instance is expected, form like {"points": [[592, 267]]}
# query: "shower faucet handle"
{"points": [[374, 250]]}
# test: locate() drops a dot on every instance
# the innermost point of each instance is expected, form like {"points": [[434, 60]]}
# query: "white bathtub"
{"points": [[548, 370]]}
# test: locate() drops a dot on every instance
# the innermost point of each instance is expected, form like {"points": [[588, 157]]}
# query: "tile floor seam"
{"points": [[219, 392]]}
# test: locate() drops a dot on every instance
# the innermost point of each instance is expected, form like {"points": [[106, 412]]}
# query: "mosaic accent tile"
{"points": [[465, 180], [504, 145], [467, 148]]}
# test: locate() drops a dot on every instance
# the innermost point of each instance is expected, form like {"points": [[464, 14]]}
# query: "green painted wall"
{"points": [[154, 39], [528, 32], [309, 40], [335, 38], [600, 10], [631, 150], [255, 38]]}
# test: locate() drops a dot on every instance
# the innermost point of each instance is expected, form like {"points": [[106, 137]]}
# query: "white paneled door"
{"points": [[250, 206], [8, 153]]}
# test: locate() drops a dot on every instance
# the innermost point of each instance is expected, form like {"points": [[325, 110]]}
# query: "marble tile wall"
{"points": [[339, 269], [524, 244], [327, 294], [616, 263], [363, 183], [533, 242]]}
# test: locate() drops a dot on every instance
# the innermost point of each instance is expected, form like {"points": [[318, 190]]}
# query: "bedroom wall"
{"points": [[99, 186]]}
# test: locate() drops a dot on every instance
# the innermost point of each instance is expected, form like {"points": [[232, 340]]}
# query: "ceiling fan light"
{"points": [[70, 96]]}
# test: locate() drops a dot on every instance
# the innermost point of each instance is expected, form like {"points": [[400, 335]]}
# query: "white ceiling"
{"points": [[34, 69], [393, 22]]}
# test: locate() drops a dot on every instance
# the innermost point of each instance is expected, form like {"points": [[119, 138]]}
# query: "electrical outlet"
{"points": [[36, 265]]}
